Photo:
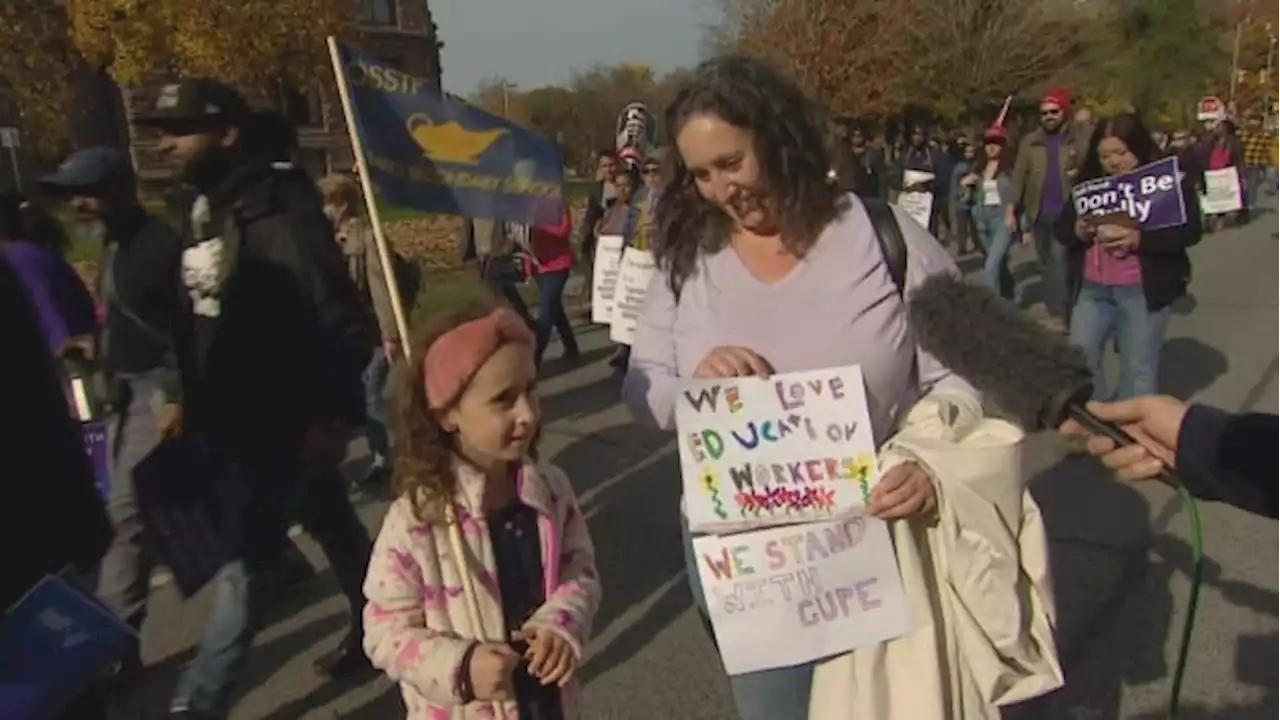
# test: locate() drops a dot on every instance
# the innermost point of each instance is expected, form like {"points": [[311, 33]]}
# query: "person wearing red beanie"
{"points": [[1041, 184]]}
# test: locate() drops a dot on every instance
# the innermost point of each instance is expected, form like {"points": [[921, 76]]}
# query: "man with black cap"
{"points": [[272, 343], [138, 286]]}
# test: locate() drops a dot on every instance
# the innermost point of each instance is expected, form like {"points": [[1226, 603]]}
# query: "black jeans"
{"points": [[551, 313], [509, 293]]}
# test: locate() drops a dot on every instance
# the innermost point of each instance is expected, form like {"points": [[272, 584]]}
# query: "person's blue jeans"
{"points": [[1053, 267], [1254, 179], [778, 694], [1104, 312], [241, 587], [551, 314], [996, 241], [375, 406]]}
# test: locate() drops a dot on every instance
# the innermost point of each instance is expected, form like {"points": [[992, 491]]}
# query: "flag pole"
{"points": [[370, 202]]}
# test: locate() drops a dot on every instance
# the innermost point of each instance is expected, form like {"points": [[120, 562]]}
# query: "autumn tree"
{"points": [[254, 45], [970, 54], [852, 56], [36, 72]]}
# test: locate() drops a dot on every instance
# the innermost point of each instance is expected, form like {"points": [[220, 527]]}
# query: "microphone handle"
{"points": [[1097, 426]]}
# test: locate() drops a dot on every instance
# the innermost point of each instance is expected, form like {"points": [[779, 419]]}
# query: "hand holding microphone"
{"points": [[1154, 421]]}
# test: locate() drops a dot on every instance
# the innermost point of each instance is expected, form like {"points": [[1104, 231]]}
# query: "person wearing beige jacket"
{"points": [[342, 203]]}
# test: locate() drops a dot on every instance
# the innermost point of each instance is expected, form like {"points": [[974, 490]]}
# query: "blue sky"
{"points": [[542, 42]]}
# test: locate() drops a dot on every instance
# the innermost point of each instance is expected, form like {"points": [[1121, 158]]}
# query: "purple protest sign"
{"points": [[95, 445], [1151, 196]]}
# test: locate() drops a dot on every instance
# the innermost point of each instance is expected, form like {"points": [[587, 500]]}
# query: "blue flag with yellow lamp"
{"points": [[425, 150]]}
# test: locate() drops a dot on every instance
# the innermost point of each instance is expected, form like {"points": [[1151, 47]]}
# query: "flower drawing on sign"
{"points": [[711, 482]]}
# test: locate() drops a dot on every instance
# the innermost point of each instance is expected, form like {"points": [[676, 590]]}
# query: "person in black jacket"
{"points": [[271, 343], [1219, 455], [51, 516], [1122, 280]]}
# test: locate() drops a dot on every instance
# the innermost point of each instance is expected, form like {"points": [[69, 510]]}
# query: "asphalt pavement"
{"points": [[1120, 553]]}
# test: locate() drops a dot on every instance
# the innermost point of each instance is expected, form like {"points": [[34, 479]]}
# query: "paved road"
{"points": [[1120, 554]]}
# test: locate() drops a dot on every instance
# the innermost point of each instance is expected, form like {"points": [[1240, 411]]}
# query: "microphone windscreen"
{"points": [[1025, 370]]}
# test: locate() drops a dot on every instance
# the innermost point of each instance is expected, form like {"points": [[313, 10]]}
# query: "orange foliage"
{"points": [[252, 44], [850, 55], [36, 69]]}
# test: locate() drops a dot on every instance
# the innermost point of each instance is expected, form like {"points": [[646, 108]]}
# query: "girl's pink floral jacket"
{"points": [[417, 620]]}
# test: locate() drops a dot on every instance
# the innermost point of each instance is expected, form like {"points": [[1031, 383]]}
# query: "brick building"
{"points": [[398, 32]]}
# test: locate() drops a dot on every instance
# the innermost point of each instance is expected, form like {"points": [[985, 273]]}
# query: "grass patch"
{"points": [[388, 212]]}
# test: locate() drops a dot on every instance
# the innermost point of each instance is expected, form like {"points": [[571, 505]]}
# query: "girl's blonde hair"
{"points": [[424, 451], [342, 190]]}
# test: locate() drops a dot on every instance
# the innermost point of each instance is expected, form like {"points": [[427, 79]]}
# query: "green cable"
{"points": [[1193, 597]]}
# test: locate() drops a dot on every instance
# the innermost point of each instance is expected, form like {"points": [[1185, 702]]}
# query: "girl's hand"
{"points": [[904, 491], [490, 670], [969, 180], [729, 361], [550, 657]]}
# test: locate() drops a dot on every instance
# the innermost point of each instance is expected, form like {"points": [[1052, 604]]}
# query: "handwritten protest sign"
{"points": [[769, 451], [636, 271], [1221, 192], [604, 277], [783, 596], [918, 205], [1148, 198]]}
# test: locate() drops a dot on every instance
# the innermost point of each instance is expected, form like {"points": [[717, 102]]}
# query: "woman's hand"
{"points": [[1127, 242], [904, 491], [1086, 230], [730, 361], [969, 180]]}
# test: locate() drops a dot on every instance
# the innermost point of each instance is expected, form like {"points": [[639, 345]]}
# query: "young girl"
{"points": [[482, 584]]}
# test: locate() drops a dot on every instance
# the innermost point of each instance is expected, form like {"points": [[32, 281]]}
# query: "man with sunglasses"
{"points": [[1042, 175]]}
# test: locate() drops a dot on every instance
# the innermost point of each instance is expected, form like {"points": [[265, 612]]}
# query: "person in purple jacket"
{"points": [[33, 242]]}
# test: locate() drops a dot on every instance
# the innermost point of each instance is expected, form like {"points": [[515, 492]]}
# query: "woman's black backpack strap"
{"points": [[892, 243]]}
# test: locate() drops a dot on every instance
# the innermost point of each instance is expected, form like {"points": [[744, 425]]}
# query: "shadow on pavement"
{"points": [[1255, 660], [1188, 366], [1098, 531], [634, 519], [386, 705], [581, 400], [152, 697]]}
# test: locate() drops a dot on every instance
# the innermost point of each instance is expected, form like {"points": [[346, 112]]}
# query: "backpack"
{"points": [[892, 243]]}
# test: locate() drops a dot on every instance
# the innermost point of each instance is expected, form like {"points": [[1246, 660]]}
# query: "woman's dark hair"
{"points": [[423, 467], [790, 149], [23, 219], [1129, 129], [980, 160]]}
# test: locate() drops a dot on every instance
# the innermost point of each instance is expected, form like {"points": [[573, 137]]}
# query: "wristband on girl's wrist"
{"points": [[463, 682]]}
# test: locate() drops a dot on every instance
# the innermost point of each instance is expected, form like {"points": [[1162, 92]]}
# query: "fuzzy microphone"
{"points": [[1026, 370]]}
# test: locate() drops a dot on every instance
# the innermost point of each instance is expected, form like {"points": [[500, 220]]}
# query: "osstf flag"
{"points": [[431, 152]]}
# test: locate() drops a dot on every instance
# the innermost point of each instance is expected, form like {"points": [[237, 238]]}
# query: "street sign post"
{"points": [[11, 140]]}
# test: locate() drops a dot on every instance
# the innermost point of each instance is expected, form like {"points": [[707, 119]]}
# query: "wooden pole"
{"points": [[370, 202]]}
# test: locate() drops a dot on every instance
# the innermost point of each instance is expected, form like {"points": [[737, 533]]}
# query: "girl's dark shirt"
{"points": [[517, 553]]}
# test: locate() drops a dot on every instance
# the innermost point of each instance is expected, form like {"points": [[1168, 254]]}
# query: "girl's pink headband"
{"points": [[455, 356]]}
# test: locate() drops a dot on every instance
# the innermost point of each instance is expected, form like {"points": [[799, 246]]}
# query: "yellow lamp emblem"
{"points": [[450, 142]]}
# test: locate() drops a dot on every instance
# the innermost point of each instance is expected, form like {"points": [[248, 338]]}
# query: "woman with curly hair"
{"points": [[766, 267]]}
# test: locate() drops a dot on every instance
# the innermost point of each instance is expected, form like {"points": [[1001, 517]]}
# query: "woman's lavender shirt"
{"points": [[61, 300], [838, 307]]}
